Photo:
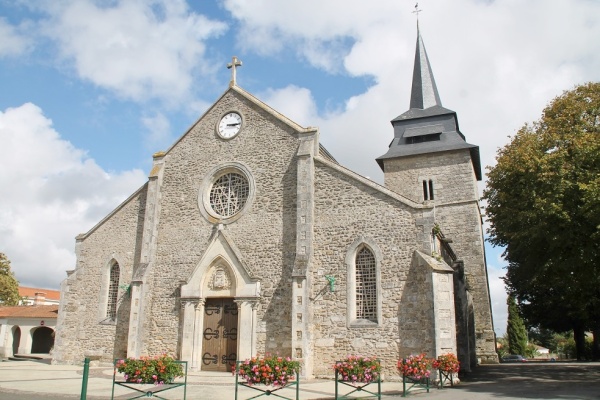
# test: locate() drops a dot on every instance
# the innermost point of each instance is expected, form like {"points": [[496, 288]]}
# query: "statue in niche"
{"points": [[219, 279]]}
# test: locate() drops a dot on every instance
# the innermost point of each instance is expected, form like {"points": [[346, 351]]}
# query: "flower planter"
{"points": [[358, 373], [447, 365], [415, 372], [272, 374], [410, 382], [445, 377], [150, 376]]}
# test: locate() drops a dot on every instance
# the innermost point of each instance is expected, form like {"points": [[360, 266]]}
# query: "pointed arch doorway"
{"points": [[219, 302], [219, 334]]}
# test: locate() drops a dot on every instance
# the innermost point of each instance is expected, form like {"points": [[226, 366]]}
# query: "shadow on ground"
{"points": [[534, 381]]}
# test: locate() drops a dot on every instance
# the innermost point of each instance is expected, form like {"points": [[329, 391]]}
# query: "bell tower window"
{"points": [[428, 189]]}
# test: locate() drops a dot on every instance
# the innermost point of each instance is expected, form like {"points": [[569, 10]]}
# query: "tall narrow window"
{"points": [[113, 291], [366, 285], [427, 189], [430, 189]]}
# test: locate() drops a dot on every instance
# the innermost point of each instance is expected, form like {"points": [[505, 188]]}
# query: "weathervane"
{"points": [[417, 11], [235, 62]]}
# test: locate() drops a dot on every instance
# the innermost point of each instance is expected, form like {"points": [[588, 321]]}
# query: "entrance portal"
{"points": [[219, 335]]}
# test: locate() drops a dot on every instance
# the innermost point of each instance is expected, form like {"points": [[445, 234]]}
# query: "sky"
{"points": [[89, 90]]}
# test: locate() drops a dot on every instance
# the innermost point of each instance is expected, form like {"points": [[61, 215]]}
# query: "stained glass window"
{"points": [[229, 194], [113, 291], [366, 285]]}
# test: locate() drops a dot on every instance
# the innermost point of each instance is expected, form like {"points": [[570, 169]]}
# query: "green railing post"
{"points": [[336, 384], [86, 371]]}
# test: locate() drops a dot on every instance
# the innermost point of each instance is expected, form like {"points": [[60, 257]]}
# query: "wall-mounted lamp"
{"points": [[331, 281]]}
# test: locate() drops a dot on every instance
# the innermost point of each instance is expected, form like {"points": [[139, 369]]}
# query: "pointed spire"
{"points": [[424, 92]]}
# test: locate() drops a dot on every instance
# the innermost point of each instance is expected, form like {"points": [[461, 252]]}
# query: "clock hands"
{"points": [[237, 123]]}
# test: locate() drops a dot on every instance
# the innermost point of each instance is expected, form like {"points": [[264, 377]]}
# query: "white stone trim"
{"points": [[351, 320], [104, 288], [204, 193], [244, 289]]}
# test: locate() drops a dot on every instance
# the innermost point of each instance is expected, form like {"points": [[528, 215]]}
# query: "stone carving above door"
{"points": [[219, 280]]}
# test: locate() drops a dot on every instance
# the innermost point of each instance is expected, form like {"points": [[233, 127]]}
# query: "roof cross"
{"points": [[235, 62]]}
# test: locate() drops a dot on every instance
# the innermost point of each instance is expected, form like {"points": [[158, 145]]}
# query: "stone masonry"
{"points": [[278, 245]]}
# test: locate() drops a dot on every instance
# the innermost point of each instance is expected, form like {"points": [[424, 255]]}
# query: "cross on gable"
{"points": [[235, 62]]}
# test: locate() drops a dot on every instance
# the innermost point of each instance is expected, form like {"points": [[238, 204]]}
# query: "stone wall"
{"points": [[82, 329], [346, 210], [264, 234], [456, 211]]}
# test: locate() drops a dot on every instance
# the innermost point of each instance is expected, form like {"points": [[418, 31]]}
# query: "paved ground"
{"points": [[29, 380]]}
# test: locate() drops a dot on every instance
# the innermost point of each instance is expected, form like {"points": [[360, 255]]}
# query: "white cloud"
{"points": [[51, 192], [13, 43], [497, 64], [138, 49], [160, 131], [319, 32], [294, 102]]}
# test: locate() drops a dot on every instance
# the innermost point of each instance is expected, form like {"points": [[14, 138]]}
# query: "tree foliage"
{"points": [[516, 334], [543, 205], [9, 286]]}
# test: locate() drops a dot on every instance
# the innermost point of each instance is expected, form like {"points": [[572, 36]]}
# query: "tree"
{"points": [[9, 286], [543, 206], [516, 333]]}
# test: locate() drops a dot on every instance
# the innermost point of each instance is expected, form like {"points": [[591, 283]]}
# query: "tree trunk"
{"points": [[579, 336], [596, 344]]}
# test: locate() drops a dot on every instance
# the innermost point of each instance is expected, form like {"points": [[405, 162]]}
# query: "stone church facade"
{"points": [[249, 238]]}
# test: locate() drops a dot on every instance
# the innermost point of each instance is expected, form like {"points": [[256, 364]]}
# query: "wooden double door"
{"points": [[220, 335]]}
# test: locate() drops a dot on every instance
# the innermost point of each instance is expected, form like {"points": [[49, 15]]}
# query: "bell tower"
{"points": [[430, 162]]}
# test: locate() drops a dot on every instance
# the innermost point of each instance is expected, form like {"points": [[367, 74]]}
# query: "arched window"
{"points": [[363, 283], [366, 285], [113, 292]]}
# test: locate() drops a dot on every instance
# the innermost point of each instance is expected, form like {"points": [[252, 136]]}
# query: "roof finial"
{"points": [[417, 11], [235, 62]]}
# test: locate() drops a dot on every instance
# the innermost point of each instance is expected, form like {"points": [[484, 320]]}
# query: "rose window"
{"points": [[229, 194]]}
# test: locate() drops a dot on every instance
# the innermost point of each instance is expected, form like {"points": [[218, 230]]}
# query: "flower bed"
{"points": [[415, 371], [357, 372], [357, 369], [447, 363], [157, 370], [415, 367], [275, 371]]}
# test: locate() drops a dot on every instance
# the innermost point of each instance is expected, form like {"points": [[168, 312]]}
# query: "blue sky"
{"points": [[89, 90]]}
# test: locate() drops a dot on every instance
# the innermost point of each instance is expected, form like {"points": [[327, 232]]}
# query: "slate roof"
{"points": [[427, 127], [29, 311], [415, 113], [424, 92]]}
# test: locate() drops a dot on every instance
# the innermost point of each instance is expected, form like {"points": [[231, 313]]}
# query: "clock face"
{"points": [[230, 125]]}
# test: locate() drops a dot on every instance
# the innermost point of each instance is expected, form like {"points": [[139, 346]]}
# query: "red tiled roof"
{"points": [[30, 292], [29, 311]]}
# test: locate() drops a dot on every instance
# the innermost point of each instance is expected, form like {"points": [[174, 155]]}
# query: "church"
{"points": [[249, 238]]}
